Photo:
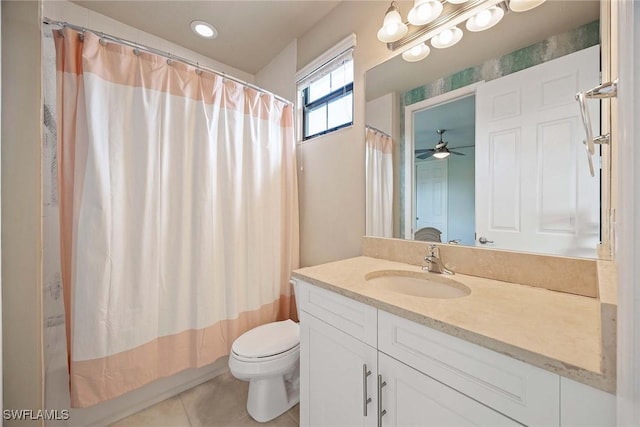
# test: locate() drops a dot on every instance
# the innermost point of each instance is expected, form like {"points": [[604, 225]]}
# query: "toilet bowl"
{"points": [[268, 357]]}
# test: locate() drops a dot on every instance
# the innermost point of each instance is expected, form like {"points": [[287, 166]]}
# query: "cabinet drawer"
{"points": [[523, 392], [413, 399], [356, 319]]}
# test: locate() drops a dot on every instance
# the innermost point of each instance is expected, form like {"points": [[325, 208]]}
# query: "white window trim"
{"points": [[344, 45]]}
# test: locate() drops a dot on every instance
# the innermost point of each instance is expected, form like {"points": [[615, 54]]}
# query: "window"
{"points": [[326, 92]]}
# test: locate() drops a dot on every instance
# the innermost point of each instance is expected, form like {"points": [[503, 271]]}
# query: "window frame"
{"points": [[341, 92], [324, 64]]}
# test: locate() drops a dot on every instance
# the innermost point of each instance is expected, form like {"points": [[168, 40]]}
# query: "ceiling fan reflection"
{"points": [[440, 151]]}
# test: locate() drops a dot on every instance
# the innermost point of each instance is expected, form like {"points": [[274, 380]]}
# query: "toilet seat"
{"points": [[294, 349], [267, 342]]}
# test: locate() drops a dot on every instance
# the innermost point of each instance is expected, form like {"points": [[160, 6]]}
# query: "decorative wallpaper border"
{"points": [[554, 47]]}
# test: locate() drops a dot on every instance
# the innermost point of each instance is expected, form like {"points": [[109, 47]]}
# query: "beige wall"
{"points": [[21, 202], [278, 76], [331, 167]]}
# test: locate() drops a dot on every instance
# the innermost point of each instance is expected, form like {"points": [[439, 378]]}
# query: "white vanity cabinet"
{"points": [[360, 366], [338, 376], [338, 359]]}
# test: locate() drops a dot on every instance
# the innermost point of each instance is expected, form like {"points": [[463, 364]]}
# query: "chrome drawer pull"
{"points": [[366, 400], [381, 412]]}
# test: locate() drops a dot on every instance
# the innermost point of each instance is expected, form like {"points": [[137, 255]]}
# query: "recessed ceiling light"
{"points": [[204, 29]]}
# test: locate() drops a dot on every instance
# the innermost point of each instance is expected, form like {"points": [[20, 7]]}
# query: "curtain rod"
{"points": [[155, 51], [378, 131]]}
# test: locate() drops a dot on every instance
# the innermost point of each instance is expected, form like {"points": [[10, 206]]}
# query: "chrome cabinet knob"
{"points": [[483, 240]]}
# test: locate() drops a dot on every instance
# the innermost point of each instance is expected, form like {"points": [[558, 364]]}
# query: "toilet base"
{"points": [[273, 396]]}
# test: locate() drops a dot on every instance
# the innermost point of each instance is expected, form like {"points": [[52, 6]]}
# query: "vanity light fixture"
{"points": [[485, 19], [524, 5], [424, 11], [438, 20], [393, 29], [416, 53], [204, 29], [447, 38]]}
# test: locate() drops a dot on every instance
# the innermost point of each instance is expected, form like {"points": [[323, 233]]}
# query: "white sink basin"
{"points": [[426, 285]]}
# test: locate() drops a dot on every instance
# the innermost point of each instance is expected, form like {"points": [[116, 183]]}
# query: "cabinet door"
{"points": [[332, 377], [411, 398]]}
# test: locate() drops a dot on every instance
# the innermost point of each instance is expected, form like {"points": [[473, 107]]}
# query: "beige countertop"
{"points": [[556, 331]]}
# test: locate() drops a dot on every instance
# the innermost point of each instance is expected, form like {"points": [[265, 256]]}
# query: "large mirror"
{"points": [[501, 104]]}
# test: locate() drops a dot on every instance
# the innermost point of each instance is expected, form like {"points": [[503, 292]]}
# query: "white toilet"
{"points": [[268, 357]]}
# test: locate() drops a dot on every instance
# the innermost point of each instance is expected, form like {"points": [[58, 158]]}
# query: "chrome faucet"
{"points": [[434, 263]]}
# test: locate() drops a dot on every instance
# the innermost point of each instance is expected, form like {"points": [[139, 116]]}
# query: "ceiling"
{"points": [[250, 33], [456, 117], [253, 32]]}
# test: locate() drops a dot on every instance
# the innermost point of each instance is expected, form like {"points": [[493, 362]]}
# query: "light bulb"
{"points": [[483, 18], [424, 11], [393, 28], [204, 29], [416, 53], [446, 36]]}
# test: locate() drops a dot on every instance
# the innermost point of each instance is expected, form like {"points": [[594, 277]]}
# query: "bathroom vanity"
{"points": [[503, 354]]}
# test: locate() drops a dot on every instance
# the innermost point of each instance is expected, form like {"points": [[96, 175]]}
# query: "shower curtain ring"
{"points": [[103, 42], [170, 61], [198, 70], [81, 35]]}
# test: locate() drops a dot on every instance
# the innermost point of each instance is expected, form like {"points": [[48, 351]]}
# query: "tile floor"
{"points": [[216, 403]]}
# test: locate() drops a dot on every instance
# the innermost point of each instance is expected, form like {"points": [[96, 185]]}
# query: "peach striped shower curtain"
{"points": [[179, 220]]}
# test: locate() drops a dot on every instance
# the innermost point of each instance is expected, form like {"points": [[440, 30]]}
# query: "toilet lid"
{"points": [[268, 340]]}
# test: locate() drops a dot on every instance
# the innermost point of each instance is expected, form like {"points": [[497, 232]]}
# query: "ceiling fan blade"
{"points": [[424, 156], [455, 152], [461, 146], [424, 150]]}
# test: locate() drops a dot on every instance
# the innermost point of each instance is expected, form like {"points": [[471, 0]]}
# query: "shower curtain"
{"points": [[179, 221], [379, 183]]}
